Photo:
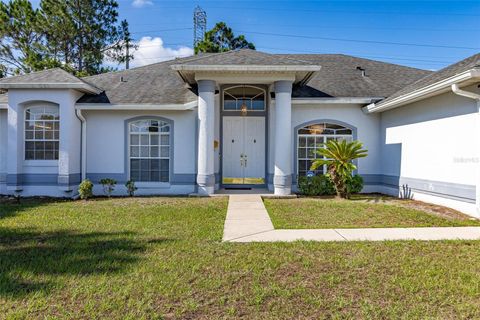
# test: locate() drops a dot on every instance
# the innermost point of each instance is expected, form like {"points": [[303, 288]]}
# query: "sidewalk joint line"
{"points": [[341, 235], [249, 235]]}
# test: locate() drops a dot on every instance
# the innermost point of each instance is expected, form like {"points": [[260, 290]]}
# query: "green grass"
{"points": [[161, 258], [360, 212]]}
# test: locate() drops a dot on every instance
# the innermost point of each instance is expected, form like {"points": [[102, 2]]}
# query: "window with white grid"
{"points": [[149, 151], [42, 133], [313, 137]]}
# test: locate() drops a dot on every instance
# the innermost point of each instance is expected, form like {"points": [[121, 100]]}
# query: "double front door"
{"points": [[243, 150]]}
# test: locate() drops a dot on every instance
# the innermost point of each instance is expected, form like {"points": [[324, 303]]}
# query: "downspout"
{"points": [[474, 96], [83, 142]]}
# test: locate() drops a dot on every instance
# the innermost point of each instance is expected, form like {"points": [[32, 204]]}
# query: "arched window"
{"points": [[149, 150], [313, 137], [251, 97], [42, 133]]}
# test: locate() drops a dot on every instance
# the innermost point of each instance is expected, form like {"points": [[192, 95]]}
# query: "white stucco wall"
{"points": [[367, 127], [433, 143], [106, 147]]}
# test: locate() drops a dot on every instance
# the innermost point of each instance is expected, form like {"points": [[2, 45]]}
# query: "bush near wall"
{"points": [[321, 185]]}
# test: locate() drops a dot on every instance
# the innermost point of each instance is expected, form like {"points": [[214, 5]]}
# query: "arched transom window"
{"points": [[42, 133], [149, 150], [313, 137], [251, 97]]}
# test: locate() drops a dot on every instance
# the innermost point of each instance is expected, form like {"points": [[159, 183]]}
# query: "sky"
{"points": [[421, 34]]}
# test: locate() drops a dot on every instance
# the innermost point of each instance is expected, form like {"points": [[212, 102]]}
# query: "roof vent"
{"points": [[122, 79], [363, 71]]}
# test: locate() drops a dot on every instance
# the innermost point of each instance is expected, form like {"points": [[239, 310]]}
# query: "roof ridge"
{"points": [[355, 57]]}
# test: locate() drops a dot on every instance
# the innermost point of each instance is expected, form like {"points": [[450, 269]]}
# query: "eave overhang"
{"points": [[82, 87], [115, 107], [298, 73], [462, 79]]}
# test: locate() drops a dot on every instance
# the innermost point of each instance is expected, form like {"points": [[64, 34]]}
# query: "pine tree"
{"points": [[77, 35]]}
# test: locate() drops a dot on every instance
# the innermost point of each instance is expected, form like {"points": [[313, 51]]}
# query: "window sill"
{"points": [[40, 163]]}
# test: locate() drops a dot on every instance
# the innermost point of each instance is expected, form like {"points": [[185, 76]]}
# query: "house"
{"points": [[244, 119]]}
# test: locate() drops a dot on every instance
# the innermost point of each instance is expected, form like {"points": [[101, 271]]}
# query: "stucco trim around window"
{"points": [[311, 122], [127, 151]]}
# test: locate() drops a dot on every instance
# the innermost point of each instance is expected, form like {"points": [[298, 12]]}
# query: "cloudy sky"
{"points": [[422, 34]]}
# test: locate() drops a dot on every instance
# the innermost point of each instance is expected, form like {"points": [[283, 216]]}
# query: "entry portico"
{"points": [[210, 75]]}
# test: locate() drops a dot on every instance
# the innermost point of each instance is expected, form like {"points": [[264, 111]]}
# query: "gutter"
{"points": [[425, 92], [84, 87], [83, 142], [108, 106], [463, 93], [334, 100]]}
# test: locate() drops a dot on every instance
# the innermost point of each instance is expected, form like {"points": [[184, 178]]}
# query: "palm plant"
{"points": [[338, 156]]}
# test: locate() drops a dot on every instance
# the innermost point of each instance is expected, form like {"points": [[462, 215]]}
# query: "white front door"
{"points": [[243, 150]]}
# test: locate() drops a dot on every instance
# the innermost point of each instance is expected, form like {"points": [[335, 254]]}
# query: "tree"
{"points": [[220, 39], [77, 35], [20, 41], [338, 156]]}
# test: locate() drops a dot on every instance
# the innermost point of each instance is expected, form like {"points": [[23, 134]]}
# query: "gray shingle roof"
{"points": [[55, 77], [339, 77], [152, 84], [445, 73], [159, 84], [246, 57]]}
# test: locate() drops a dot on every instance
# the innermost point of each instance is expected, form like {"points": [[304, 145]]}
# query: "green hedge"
{"points": [[321, 185]]}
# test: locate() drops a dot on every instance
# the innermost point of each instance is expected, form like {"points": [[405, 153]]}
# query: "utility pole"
{"points": [[127, 61], [199, 25]]}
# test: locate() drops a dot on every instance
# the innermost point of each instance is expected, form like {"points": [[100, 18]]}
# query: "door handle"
{"points": [[245, 160], [241, 160]]}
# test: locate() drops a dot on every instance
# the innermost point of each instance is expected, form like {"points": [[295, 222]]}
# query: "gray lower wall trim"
{"points": [[96, 177], [282, 181], [70, 179], [42, 179], [206, 180], [454, 191], [184, 178], [32, 179]]}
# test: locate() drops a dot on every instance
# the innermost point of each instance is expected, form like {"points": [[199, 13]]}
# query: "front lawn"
{"points": [[161, 258], [362, 211]]}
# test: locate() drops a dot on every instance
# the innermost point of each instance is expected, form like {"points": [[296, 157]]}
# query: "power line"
{"points": [[360, 41], [163, 30], [358, 54], [329, 11]]}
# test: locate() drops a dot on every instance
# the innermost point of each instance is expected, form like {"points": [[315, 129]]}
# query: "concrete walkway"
{"points": [[248, 221]]}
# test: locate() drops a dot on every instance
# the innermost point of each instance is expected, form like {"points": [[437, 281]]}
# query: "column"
{"points": [[206, 128], [282, 180], [14, 145]]}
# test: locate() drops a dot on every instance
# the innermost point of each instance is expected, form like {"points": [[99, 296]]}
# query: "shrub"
{"points": [[131, 188], [338, 156], [108, 186], [85, 189], [316, 186], [355, 184]]}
